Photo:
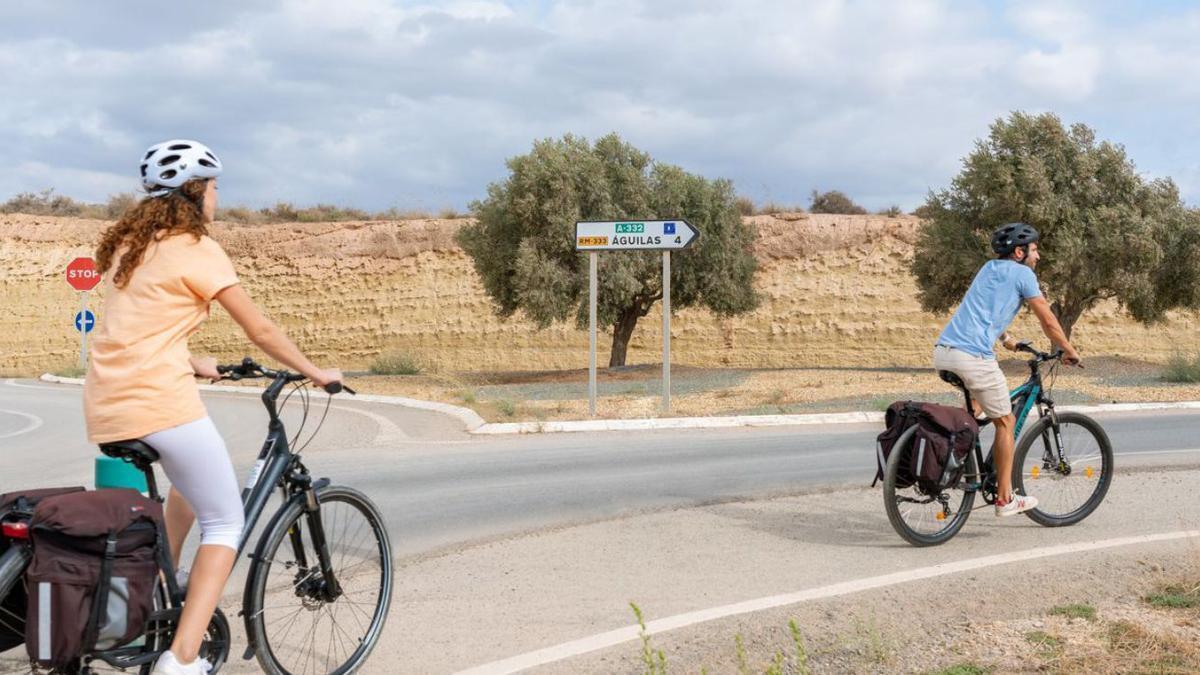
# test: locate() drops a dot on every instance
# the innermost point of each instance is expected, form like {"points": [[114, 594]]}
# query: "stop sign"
{"points": [[82, 274]]}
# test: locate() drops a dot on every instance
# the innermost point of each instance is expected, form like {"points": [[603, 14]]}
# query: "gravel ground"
{"points": [[633, 392]]}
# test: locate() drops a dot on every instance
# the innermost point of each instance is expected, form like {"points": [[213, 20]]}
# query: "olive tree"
{"points": [[523, 239], [1107, 233]]}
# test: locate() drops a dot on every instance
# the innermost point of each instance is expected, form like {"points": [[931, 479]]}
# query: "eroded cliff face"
{"points": [[835, 291]]}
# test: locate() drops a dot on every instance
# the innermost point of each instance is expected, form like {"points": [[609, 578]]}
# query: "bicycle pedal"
{"points": [[248, 654]]}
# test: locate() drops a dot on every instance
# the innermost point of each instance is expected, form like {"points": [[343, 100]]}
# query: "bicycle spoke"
{"points": [[1071, 477], [316, 635]]}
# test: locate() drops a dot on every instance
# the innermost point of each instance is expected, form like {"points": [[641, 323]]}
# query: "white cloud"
{"points": [[379, 102]]}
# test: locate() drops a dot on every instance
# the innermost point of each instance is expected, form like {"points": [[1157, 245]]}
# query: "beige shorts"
{"points": [[983, 378]]}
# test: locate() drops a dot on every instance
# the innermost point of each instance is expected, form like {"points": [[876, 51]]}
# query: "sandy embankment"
{"points": [[835, 289]]}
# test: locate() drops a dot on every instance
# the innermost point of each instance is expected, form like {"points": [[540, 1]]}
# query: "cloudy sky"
{"points": [[380, 103]]}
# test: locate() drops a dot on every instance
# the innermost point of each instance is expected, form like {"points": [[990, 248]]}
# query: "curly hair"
{"points": [[150, 219]]}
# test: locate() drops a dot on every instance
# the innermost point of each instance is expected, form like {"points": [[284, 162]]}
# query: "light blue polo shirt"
{"points": [[989, 306]]}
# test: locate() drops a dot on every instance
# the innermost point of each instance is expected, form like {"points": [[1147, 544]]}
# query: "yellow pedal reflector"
{"points": [[941, 515], [1088, 472], [1035, 471]]}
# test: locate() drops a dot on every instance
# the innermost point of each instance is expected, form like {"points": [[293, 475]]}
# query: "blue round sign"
{"points": [[85, 321]]}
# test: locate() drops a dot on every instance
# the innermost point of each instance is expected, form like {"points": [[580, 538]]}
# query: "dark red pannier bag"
{"points": [[91, 581]]}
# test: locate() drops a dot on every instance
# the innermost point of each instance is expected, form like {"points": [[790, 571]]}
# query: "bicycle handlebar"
{"points": [[248, 368], [1042, 357]]}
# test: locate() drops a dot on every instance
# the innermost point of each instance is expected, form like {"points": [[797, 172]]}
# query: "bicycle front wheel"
{"points": [[924, 519], [301, 623], [1068, 468]]}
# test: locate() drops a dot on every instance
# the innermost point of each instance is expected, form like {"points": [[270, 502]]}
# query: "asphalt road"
{"points": [[439, 487]]}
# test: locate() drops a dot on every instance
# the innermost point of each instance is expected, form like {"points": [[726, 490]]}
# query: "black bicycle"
{"points": [[1065, 460], [320, 579]]}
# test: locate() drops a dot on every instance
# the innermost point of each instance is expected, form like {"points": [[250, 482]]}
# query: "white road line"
{"points": [[631, 633], [33, 423], [1138, 453]]}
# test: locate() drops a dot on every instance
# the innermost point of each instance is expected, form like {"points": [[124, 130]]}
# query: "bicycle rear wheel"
{"points": [[923, 519], [293, 621], [1069, 471]]}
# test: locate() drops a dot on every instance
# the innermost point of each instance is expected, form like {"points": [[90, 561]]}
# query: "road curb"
{"points": [[861, 417], [679, 423], [476, 424], [469, 417]]}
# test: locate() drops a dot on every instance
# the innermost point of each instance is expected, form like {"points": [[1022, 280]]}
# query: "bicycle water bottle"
{"points": [[117, 473]]}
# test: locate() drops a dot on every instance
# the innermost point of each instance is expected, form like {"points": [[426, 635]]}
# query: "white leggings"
{"points": [[194, 457]]}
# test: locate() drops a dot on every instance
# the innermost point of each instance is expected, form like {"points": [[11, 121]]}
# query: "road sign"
{"points": [[634, 235], [85, 321], [82, 274]]}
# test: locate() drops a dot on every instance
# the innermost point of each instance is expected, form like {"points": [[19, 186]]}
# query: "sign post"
{"points": [[632, 235], [83, 277], [666, 322], [592, 332]]}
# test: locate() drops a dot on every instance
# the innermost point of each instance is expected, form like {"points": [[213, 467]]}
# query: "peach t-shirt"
{"points": [[140, 380]]}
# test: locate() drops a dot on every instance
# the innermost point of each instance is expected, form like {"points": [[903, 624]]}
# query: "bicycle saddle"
{"points": [[951, 378], [137, 452]]}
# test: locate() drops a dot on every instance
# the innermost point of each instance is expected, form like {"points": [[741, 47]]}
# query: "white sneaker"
{"points": [[1018, 504], [167, 665]]}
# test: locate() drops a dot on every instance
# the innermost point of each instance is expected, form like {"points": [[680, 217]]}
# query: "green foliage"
{"points": [[1106, 232], [1175, 597], [47, 203], [44, 203], [834, 201], [891, 212], [743, 664], [801, 653], [73, 371], [1076, 611], [962, 669], [395, 363], [523, 241], [1181, 369], [654, 662]]}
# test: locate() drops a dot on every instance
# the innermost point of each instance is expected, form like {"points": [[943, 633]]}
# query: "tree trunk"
{"points": [[622, 331], [1067, 314]]}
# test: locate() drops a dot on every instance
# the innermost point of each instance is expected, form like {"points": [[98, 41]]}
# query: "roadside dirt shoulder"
{"points": [[490, 602]]}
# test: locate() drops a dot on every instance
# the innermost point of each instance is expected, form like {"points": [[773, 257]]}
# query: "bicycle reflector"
{"points": [[17, 530]]}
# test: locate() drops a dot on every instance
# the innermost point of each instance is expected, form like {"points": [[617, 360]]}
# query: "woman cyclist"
{"points": [[162, 270]]}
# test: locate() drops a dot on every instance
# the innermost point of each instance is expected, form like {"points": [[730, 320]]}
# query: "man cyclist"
{"points": [[965, 346]]}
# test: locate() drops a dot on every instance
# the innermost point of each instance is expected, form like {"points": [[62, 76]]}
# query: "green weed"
{"points": [[74, 371], [962, 669], [654, 662], [801, 653], [395, 363], [1175, 597], [742, 664], [1077, 611], [1181, 369]]}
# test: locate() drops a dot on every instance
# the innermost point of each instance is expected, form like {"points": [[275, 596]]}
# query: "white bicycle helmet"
{"points": [[170, 164]]}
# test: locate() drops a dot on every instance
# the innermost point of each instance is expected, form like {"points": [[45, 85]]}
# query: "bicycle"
{"points": [[1072, 472], [338, 559]]}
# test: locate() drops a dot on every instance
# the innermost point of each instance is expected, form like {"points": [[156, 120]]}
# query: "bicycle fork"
{"points": [[1052, 457], [327, 588]]}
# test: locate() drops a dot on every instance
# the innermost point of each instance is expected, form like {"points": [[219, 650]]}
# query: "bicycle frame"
{"points": [[276, 465], [1032, 392]]}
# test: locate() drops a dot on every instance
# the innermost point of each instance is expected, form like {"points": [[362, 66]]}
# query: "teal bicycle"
{"points": [[1065, 459]]}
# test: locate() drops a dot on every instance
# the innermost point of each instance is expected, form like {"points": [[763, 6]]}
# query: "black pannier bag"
{"points": [[944, 437], [16, 509], [91, 581]]}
